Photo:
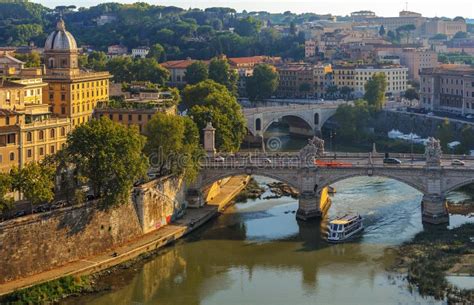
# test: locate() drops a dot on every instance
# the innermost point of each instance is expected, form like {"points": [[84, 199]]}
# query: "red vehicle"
{"points": [[332, 163]]}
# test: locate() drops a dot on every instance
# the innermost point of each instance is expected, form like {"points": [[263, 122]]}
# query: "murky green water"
{"points": [[257, 253]]}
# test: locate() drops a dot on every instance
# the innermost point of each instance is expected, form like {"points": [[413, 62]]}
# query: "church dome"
{"points": [[60, 39]]}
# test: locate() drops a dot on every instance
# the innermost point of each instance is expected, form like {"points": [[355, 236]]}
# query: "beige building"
{"points": [[448, 88], [9, 65], [445, 26], [355, 77], [302, 80], [415, 59], [28, 130]]}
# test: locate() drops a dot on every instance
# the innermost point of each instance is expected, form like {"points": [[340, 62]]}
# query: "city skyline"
{"points": [[336, 7]]}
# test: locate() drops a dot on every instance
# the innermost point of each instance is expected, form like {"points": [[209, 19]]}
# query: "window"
{"points": [[63, 131], [140, 117], [11, 139], [28, 153], [29, 137], [7, 120], [52, 133], [41, 151], [111, 116], [41, 135], [63, 110], [129, 117], [51, 149], [12, 156], [63, 97]]}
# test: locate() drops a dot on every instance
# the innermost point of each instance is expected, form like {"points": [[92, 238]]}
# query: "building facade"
{"points": [[71, 92], [448, 88], [302, 80], [356, 76]]}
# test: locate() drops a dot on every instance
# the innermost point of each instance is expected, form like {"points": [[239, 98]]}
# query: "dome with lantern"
{"points": [[60, 39]]}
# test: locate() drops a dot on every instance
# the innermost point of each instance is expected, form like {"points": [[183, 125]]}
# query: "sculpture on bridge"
{"points": [[312, 150], [433, 152]]}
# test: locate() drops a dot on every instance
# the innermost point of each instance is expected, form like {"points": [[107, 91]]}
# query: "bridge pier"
{"points": [[308, 206], [434, 209]]}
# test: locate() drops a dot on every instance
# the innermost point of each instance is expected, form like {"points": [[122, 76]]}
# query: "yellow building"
{"points": [[71, 92], [28, 130]]}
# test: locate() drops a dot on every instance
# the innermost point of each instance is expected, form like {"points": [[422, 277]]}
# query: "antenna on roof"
{"points": [[406, 6]]}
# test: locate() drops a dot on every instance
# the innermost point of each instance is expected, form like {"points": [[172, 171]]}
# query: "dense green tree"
{"points": [[353, 121], [375, 91], [5, 188], [24, 33], [248, 26], [263, 83], [35, 181], [411, 94], [196, 72], [445, 134], [221, 72], [109, 156], [97, 61], [157, 52], [460, 35], [173, 145], [209, 101], [382, 30], [32, 59], [406, 31], [467, 139], [125, 69]]}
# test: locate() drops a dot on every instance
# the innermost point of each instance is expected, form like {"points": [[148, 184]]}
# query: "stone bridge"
{"points": [[310, 117], [434, 181]]}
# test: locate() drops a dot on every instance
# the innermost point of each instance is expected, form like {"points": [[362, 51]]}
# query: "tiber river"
{"points": [[257, 253]]}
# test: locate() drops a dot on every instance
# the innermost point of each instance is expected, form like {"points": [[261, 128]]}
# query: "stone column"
{"points": [[210, 140], [434, 209], [308, 206]]}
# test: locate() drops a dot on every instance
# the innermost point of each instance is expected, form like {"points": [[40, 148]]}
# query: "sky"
{"points": [[428, 8]]}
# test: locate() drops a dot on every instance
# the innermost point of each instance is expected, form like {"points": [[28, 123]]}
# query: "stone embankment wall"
{"points": [[424, 126], [40, 242]]}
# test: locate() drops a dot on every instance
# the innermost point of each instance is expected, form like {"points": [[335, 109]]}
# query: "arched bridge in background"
{"points": [[310, 117]]}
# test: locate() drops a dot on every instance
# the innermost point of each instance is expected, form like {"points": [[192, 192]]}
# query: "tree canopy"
{"points": [[173, 145], [109, 156], [221, 72], [375, 91], [35, 181], [263, 83], [209, 101], [196, 72]]}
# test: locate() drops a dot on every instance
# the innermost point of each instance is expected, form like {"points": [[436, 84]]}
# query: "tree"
{"points": [[375, 91], [157, 52], [248, 26], [32, 59], [263, 83], [35, 181], [467, 139], [444, 134], [460, 35], [5, 188], [173, 145], [411, 94], [406, 29], [382, 30], [352, 121], [391, 35], [196, 72], [221, 72], [97, 61], [209, 101], [109, 156], [346, 92]]}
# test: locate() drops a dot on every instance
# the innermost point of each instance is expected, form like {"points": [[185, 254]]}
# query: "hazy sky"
{"points": [[428, 8]]}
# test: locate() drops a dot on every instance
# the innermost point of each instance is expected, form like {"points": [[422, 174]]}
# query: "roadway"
{"points": [[292, 160]]}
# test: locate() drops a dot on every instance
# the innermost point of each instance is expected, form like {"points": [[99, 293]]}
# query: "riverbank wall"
{"points": [[422, 125], [86, 239]]}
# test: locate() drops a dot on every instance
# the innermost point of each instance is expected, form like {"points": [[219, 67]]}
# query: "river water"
{"points": [[257, 253]]}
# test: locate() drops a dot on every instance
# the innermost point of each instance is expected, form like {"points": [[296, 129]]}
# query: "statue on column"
{"points": [[433, 152], [312, 150]]}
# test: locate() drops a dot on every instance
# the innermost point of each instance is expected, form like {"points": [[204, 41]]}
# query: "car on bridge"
{"points": [[457, 162], [392, 161]]}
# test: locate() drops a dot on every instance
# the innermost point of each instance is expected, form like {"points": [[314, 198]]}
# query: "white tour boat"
{"points": [[343, 228]]}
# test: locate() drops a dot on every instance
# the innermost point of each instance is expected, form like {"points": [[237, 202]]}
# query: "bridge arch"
{"points": [[279, 118], [210, 179], [458, 185], [415, 185]]}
